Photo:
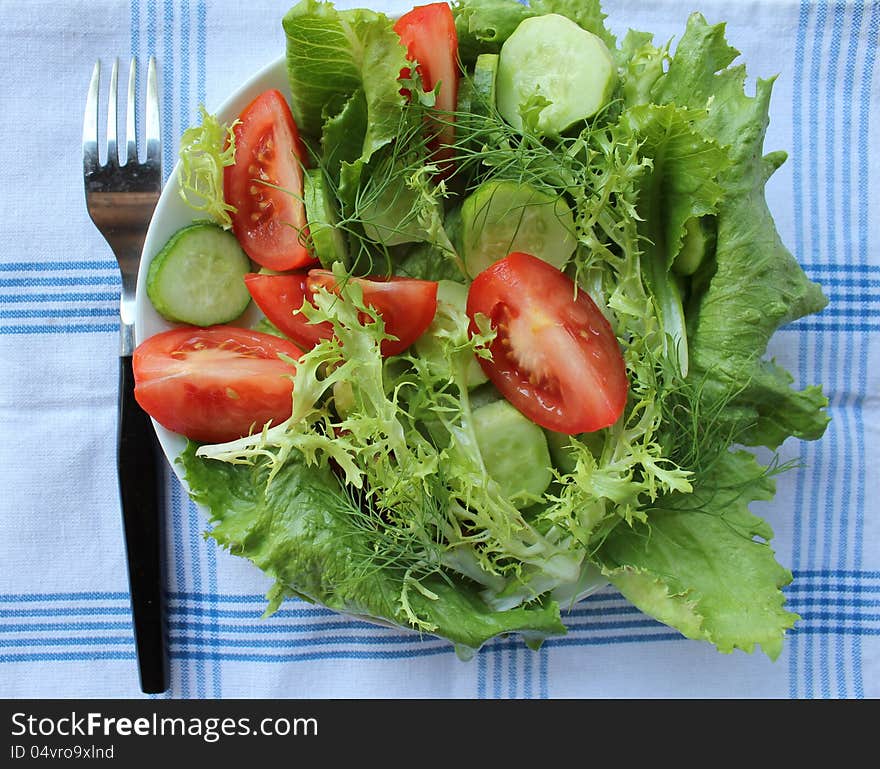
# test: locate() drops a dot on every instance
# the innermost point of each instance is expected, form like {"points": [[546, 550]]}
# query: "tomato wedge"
{"points": [[214, 384], [407, 305], [554, 357], [428, 32], [281, 297], [265, 185]]}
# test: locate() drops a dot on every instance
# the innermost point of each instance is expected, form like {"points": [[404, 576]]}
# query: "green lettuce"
{"points": [[702, 562], [331, 55], [482, 26], [754, 285], [308, 534], [205, 150], [683, 183]]}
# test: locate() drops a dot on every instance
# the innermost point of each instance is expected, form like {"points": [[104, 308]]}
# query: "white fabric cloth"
{"points": [[65, 627]]}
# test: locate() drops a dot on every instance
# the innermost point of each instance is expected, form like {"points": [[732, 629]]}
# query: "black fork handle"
{"points": [[141, 484]]}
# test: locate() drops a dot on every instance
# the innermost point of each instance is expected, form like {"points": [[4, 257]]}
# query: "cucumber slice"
{"points": [[198, 276], [504, 216], [485, 72], [551, 57], [514, 452], [451, 298], [697, 245], [327, 241]]}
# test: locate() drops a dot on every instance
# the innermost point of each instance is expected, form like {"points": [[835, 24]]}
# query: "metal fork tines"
{"points": [[121, 195], [122, 192]]}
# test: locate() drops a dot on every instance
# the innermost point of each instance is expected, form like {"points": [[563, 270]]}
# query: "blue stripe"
{"points": [[840, 616], [200, 641], [202, 48], [67, 611], [800, 251], [67, 656], [79, 596], [797, 603], [543, 672], [481, 676], [814, 326], [831, 160], [61, 312], [346, 654], [352, 654], [79, 296], [868, 284], [170, 76], [843, 312], [60, 266], [832, 608], [34, 627], [512, 677], [189, 512], [67, 328], [832, 267], [496, 651], [864, 296], [61, 280], [413, 644], [84, 641]]}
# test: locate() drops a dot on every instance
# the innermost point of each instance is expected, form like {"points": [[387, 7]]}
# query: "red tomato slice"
{"points": [[265, 185], [214, 384], [554, 357], [428, 32], [281, 297], [407, 305]]}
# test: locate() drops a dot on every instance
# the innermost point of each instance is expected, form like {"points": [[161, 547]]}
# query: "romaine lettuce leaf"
{"points": [[331, 55]]}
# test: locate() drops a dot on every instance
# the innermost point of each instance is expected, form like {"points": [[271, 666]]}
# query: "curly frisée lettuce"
{"points": [[204, 152], [375, 499]]}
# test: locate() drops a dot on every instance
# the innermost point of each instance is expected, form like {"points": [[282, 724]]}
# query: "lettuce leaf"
{"points": [[483, 25], [331, 55], [306, 533], [701, 563], [754, 285], [683, 183]]}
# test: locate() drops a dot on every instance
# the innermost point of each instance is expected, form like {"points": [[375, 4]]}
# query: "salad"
{"points": [[476, 321]]}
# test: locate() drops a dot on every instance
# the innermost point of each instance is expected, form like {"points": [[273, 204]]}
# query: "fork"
{"points": [[121, 195]]}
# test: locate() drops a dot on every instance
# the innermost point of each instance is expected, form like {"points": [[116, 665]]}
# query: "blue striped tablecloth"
{"points": [[64, 616]]}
